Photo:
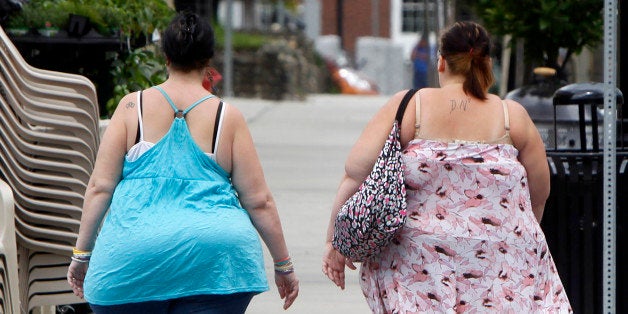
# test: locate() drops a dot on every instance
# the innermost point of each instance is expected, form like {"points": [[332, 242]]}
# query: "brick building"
{"points": [[400, 21], [355, 18]]}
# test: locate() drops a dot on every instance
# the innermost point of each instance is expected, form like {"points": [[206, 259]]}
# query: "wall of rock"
{"points": [[283, 69]]}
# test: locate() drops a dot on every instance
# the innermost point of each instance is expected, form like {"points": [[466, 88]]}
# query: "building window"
{"points": [[413, 15]]}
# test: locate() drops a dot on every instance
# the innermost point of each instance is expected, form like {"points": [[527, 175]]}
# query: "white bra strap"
{"points": [[506, 116], [222, 116], [417, 121], [139, 115]]}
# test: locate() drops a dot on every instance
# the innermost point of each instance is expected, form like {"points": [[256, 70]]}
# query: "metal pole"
{"points": [[610, 119], [281, 14], [228, 66], [339, 21], [375, 18]]}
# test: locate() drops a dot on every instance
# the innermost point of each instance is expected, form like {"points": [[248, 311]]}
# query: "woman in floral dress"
{"points": [[477, 180]]}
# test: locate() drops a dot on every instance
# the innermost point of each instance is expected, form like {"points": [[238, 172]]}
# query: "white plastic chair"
{"points": [[8, 251]]}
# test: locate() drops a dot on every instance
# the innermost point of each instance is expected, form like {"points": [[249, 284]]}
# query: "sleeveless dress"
{"points": [[471, 242], [175, 228]]}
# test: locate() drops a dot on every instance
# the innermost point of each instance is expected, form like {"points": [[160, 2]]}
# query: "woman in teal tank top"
{"points": [[180, 198]]}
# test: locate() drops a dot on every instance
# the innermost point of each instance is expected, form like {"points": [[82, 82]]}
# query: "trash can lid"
{"points": [[584, 94]]}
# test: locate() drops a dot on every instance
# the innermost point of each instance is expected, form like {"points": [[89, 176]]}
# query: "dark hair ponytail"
{"points": [[466, 47], [188, 42]]}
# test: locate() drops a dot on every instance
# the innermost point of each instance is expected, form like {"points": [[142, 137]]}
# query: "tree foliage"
{"points": [[545, 26]]}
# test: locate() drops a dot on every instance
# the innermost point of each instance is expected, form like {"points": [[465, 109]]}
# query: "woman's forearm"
{"points": [[265, 218], [347, 187], [94, 208]]}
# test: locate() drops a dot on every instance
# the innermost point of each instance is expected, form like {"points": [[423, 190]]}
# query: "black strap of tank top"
{"points": [[137, 136], [403, 105], [216, 125]]}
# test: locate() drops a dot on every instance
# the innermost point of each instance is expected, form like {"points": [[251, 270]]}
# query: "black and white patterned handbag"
{"points": [[370, 218]]}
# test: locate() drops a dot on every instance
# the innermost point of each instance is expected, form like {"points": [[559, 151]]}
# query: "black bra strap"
{"points": [[137, 136], [216, 126], [403, 105]]}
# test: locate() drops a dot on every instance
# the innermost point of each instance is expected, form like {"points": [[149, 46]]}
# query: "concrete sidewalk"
{"points": [[303, 146]]}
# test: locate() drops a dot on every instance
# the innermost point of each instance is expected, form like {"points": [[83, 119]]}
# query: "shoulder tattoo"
{"points": [[130, 105]]}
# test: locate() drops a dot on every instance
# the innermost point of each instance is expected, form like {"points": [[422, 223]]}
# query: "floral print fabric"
{"points": [[471, 243]]}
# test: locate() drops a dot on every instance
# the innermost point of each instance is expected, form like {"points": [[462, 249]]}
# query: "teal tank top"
{"points": [[175, 228]]}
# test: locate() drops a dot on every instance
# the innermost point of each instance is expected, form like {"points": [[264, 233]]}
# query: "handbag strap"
{"points": [[402, 106]]}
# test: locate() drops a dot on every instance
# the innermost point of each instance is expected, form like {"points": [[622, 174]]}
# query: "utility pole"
{"points": [[339, 18], [228, 66], [375, 18], [281, 13]]}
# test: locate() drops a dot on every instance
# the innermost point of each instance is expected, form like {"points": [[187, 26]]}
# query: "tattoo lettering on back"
{"points": [[130, 105], [460, 104]]}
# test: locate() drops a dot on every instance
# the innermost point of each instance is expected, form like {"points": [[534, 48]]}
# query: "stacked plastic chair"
{"points": [[9, 289], [49, 135]]}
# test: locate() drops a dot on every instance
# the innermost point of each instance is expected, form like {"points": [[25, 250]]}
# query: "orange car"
{"points": [[351, 82]]}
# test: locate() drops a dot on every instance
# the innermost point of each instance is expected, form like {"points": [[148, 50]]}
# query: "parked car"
{"points": [[348, 79]]}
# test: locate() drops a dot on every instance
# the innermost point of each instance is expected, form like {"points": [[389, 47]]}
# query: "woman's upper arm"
{"points": [[364, 153], [247, 174], [113, 146], [528, 142]]}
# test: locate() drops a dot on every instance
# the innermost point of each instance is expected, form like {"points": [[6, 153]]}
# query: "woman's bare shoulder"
{"points": [[517, 111]]}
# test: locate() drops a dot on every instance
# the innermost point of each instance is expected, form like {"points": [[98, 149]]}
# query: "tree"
{"points": [[545, 26]]}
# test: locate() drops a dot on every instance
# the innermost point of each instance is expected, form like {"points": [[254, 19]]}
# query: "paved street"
{"points": [[302, 146]]}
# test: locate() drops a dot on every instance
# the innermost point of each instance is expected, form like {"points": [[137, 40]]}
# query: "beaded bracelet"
{"points": [[284, 266], [81, 256]]}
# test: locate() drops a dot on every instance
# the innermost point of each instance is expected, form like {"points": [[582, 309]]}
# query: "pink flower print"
{"points": [[473, 160], [441, 212], [487, 300], [485, 177], [427, 301], [440, 155], [492, 220], [434, 296], [441, 191], [507, 294], [520, 227], [505, 272], [558, 294], [424, 168], [412, 185], [480, 226], [528, 278], [473, 274], [490, 158], [462, 306], [532, 253], [475, 198], [546, 287], [420, 274], [429, 253], [423, 303], [409, 152], [444, 249], [501, 247], [455, 189]]}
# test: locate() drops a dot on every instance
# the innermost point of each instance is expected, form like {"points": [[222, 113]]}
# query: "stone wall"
{"points": [[283, 69]]}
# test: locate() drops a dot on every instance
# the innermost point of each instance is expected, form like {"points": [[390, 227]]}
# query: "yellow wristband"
{"points": [[76, 251]]}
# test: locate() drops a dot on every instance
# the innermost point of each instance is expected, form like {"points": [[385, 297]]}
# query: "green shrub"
{"points": [[140, 69], [240, 40]]}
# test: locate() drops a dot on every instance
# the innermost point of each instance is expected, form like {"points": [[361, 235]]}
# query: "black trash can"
{"points": [[573, 218]]}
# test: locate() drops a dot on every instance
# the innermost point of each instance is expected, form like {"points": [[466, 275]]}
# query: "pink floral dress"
{"points": [[471, 242]]}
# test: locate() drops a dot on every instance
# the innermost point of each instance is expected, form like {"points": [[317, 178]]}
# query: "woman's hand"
{"points": [[334, 265], [76, 275], [288, 287]]}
